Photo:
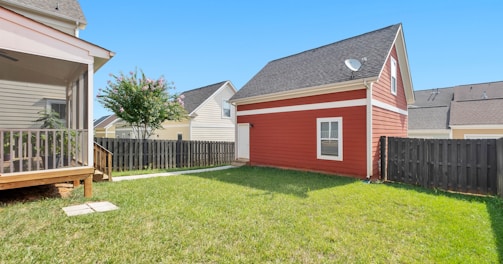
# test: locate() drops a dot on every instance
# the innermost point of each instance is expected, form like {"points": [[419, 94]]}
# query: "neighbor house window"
{"points": [[329, 138], [393, 76], [226, 108], [58, 106]]}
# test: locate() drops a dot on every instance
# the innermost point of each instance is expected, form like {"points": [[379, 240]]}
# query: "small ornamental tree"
{"points": [[142, 102]]}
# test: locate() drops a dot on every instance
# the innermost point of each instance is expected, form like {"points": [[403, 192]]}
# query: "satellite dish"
{"points": [[353, 64]]}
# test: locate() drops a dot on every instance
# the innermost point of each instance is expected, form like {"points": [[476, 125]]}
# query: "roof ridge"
{"points": [[200, 88], [339, 41], [459, 85]]}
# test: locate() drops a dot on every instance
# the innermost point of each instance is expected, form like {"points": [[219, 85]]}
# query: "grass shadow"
{"points": [[494, 206], [272, 180]]}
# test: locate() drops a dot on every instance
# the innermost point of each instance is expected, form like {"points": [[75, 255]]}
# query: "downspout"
{"points": [[369, 128]]}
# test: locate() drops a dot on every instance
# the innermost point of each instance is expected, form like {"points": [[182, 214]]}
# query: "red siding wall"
{"points": [[289, 139], [381, 90], [385, 122]]}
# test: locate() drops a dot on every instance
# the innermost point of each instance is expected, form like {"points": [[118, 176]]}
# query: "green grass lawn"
{"points": [[256, 215], [152, 171]]}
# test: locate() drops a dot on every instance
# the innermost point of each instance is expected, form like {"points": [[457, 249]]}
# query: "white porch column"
{"points": [[90, 117]]}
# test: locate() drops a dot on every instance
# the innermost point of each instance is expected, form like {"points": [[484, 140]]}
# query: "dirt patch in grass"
{"points": [[28, 194]]}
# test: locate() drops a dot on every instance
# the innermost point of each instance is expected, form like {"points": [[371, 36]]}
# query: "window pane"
{"points": [[334, 132], [393, 84], [226, 107], [330, 147], [60, 109], [324, 129]]}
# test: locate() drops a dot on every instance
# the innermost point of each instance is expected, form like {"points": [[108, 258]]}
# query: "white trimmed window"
{"points": [[226, 109], [393, 76], [329, 138]]}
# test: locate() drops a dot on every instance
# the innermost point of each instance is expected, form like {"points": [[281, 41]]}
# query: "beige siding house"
{"points": [[210, 116], [24, 96], [105, 126]]}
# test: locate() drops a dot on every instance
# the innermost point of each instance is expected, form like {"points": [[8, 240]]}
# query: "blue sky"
{"points": [[197, 43]]}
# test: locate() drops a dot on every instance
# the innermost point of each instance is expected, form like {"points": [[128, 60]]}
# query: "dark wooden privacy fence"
{"points": [[469, 166], [135, 154]]}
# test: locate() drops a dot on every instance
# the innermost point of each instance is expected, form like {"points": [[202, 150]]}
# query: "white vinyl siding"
{"points": [[393, 76], [20, 102], [329, 138], [209, 123]]}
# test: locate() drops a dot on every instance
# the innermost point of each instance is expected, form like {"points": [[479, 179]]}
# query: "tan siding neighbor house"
{"points": [[210, 116]]}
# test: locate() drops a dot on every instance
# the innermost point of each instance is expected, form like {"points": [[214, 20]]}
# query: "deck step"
{"points": [[240, 162]]}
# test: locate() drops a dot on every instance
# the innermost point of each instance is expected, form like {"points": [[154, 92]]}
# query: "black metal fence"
{"points": [[469, 166], [135, 154]]}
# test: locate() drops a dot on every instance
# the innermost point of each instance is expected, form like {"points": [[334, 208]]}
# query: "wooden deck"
{"points": [[34, 178]]}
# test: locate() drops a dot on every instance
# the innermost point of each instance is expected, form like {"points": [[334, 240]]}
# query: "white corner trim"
{"points": [[305, 107], [389, 107], [369, 131]]}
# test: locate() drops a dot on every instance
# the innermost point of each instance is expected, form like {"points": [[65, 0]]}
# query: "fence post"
{"points": [[382, 145], [178, 151], [499, 170]]}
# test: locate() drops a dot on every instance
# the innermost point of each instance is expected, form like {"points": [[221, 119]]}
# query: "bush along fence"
{"points": [[469, 166], [135, 154]]}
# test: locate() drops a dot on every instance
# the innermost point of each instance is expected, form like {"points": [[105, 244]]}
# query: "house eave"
{"points": [[308, 91], [81, 23], [193, 114], [403, 61]]}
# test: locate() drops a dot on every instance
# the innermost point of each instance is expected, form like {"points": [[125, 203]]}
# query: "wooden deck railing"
{"points": [[103, 160], [42, 149]]}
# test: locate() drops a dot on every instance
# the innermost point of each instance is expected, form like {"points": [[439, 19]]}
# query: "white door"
{"points": [[244, 141]]}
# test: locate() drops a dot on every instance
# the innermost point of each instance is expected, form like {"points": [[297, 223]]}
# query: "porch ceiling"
{"points": [[23, 67]]}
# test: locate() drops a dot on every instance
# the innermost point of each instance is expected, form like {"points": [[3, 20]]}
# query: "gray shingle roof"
{"points": [[479, 112], [429, 117], [194, 98], [433, 97], [69, 9], [458, 105], [104, 121], [492, 90], [323, 65], [431, 109]]}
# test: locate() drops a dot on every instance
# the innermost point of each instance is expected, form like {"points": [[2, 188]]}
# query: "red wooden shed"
{"points": [[310, 111]]}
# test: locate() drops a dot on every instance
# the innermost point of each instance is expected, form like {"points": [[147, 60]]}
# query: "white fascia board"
{"points": [[309, 91], [490, 126], [403, 63], [39, 39]]}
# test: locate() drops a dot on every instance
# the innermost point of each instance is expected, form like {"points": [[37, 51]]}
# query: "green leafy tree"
{"points": [[142, 102]]}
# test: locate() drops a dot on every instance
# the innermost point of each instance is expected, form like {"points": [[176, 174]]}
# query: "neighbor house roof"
{"points": [[477, 112], [478, 104], [105, 121], [323, 65], [67, 9], [490, 90], [431, 109], [470, 104], [194, 98]]}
